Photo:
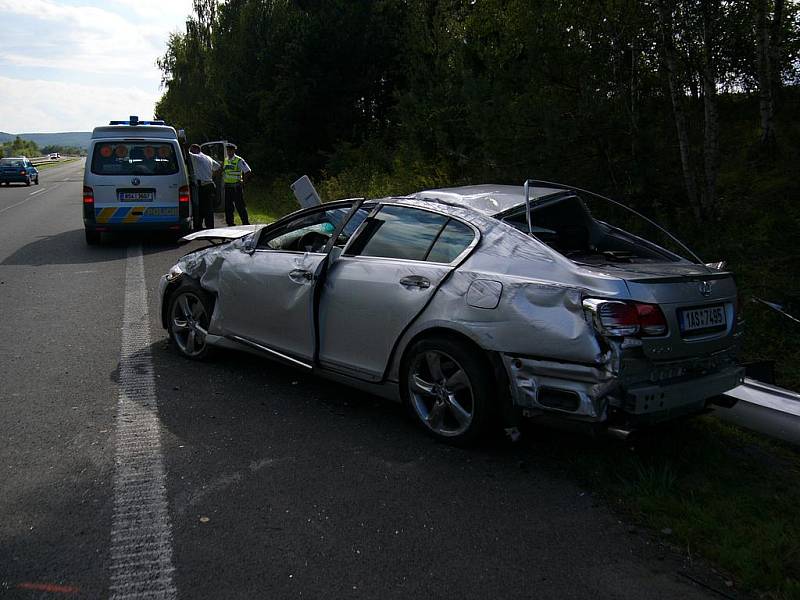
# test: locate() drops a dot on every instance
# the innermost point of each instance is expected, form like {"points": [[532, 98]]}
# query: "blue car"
{"points": [[18, 170]]}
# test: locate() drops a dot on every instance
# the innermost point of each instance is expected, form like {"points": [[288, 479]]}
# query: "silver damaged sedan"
{"points": [[471, 305]]}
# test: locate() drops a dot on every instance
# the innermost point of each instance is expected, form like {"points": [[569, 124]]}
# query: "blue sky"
{"points": [[69, 65]]}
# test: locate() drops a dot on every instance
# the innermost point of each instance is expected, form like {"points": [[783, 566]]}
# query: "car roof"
{"points": [[487, 199], [135, 131]]}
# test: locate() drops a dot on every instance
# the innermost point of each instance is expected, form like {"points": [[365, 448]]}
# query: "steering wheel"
{"points": [[312, 241]]}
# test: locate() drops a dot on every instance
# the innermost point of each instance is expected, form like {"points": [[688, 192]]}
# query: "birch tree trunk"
{"points": [[678, 108], [766, 104], [710, 108]]}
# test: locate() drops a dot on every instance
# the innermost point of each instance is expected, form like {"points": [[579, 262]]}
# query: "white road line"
{"points": [[141, 532], [2, 210], [37, 192]]}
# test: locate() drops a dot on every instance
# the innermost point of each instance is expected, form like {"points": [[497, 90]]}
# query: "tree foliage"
{"points": [[20, 147], [500, 89]]}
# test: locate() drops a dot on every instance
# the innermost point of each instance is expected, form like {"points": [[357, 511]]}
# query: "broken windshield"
{"points": [[593, 230]]}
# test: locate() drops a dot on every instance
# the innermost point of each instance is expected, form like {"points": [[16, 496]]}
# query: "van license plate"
{"points": [[708, 317], [135, 196]]}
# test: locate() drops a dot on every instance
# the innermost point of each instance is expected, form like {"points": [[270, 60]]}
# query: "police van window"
{"points": [[134, 158]]}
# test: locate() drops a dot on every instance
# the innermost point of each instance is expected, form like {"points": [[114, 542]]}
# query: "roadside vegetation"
{"points": [[49, 165], [19, 147], [684, 110], [711, 490]]}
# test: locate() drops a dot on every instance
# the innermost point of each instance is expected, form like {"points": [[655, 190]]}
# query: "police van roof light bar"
{"points": [[133, 120]]}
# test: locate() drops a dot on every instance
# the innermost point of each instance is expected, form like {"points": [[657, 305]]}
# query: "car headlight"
{"points": [[174, 273]]}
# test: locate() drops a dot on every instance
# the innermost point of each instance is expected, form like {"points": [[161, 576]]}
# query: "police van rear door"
{"points": [[137, 181]]}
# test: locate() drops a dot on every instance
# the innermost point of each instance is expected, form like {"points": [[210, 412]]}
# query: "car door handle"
{"points": [[300, 275], [417, 281]]}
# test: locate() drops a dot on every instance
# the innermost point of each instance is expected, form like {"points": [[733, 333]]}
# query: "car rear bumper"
{"points": [[592, 394], [183, 226], [16, 178]]}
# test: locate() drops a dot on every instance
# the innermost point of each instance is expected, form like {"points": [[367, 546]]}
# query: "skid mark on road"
{"points": [[141, 533]]}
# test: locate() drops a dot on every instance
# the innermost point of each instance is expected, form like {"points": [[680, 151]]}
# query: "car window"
{"points": [[310, 232], [399, 232], [452, 241], [134, 158]]}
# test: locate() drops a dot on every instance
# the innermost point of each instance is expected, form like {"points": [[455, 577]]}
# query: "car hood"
{"points": [[221, 233]]}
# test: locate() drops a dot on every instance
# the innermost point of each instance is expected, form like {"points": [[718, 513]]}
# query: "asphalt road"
{"points": [[279, 485]]}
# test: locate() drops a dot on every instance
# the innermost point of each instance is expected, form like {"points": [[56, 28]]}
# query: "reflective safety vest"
{"points": [[232, 172]]}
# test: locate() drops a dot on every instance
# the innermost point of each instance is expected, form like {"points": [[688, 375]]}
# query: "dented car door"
{"points": [[269, 297], [383, 280]]}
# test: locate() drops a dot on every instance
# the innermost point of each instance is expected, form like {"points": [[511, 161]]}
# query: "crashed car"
{"points": [[473, 302]]}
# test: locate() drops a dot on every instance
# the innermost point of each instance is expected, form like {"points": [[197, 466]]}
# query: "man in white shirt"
{"points": [[204, 167]]}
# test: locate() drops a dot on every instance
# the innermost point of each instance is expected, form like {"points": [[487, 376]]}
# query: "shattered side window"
{"points": [[592, 230]]}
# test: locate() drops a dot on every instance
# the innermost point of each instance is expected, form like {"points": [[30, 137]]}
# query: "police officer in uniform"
{"points": [[235, 171]]}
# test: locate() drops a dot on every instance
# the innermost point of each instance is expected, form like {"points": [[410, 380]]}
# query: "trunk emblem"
{"points": [[705, 288], [135, 181]]}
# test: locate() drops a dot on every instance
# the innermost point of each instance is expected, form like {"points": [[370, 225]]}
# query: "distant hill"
{"points": [[78, 139]]}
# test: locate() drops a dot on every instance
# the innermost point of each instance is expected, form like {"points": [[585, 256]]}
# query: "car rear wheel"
{"points": [[448, 388], [189, 315], [92, 237], [28, 181]]}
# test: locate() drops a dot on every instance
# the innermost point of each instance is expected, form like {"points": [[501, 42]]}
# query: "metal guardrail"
{"points": [[765, 408]]}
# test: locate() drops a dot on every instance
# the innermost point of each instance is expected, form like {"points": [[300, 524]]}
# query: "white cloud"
{"points": [[32, 106], [89, 39], [102, 50]]}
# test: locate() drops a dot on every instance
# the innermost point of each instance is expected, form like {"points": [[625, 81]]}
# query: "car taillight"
{"points": [[651, 319], [183, 194], [619, 319], [23, 173], [88, 195]]}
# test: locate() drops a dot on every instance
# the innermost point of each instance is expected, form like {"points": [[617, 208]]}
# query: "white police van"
{"points": [[135, 179]]}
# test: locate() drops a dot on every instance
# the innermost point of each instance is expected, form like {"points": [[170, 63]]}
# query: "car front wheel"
{"points": [[448, 388], [190, 311], [37, 180]]}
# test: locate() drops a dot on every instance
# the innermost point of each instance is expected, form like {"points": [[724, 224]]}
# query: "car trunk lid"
{"points": [[699, 305]]}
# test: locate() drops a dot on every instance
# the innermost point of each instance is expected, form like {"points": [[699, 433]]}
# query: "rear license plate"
{"points": [[135, 196], [699, 319]]}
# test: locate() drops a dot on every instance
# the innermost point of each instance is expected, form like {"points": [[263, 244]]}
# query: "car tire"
{"points": [[188, 317], [92, 237], [37, 180], [448, 389], [28, 181]]}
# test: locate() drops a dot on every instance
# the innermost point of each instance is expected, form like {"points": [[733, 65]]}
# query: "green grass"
{"points": [[727, 495], [55, 163]]}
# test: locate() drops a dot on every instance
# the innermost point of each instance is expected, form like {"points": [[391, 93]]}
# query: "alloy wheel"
{"points": [[189, 323], [441, 393]]}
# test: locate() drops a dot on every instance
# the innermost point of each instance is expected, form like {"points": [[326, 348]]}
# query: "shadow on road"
{"points": [[70, 248]]}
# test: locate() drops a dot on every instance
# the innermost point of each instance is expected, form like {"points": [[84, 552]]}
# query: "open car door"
{"points": [[269, 293], [216, 150]]}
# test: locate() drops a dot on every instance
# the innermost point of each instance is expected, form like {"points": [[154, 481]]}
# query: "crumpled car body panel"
{"points": [[511, 297]]}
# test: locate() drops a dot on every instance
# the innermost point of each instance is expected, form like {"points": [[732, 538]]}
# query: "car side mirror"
{"points": [[249, 245]]}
